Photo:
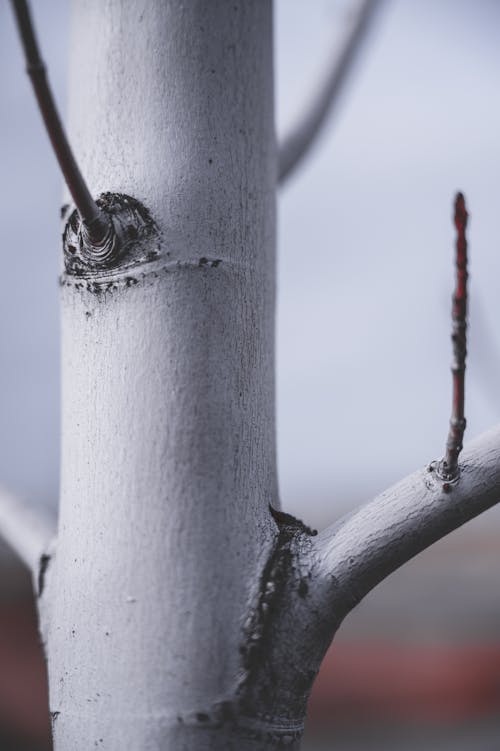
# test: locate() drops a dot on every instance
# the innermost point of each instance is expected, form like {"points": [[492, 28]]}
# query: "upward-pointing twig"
{"points": [[96, 223], [448, 468]]}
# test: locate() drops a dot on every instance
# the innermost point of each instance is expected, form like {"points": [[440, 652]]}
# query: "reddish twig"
{"points": [[96, 223], [449, 465]]}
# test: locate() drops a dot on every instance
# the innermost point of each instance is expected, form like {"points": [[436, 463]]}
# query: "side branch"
{"points": [[448, 468], [26, 530], [98, 231], [368, 545], [303, 134]]}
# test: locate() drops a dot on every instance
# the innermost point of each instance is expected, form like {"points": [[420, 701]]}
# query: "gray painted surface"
{"points": [[168, 459]]}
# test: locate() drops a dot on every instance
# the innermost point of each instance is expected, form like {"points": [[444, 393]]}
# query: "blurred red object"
{"points": [[24, 716], [434, 683]]}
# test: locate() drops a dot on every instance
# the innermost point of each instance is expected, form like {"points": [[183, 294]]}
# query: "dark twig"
{"points": [[449, 466], [97, 225]]}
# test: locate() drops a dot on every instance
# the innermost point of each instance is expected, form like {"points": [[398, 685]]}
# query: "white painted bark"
{"points": [[178, 611], [168, 461], [368, 545]]}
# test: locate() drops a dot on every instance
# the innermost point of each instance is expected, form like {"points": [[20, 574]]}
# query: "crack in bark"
{"points": [[274, 580], [265, 650]]}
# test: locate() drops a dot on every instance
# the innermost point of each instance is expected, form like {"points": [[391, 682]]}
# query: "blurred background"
{"points": [[363, 327]]}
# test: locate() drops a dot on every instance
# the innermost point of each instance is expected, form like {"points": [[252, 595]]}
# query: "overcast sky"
{"points": [[365, 249]]}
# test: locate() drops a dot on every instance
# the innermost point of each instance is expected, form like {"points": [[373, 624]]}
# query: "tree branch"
{"points": [[303, 134], [365, 547], [98, 232], [448, 468], [311, 582], [26, 530]]}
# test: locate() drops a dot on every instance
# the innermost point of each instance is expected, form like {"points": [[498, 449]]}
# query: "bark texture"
{"points": [[168, 463]]}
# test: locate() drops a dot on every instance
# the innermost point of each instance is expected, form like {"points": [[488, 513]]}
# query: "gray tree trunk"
{"points": [[168, 464]]}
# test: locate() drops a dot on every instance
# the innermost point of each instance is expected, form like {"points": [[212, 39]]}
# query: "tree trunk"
{"points": [[168, 464]]}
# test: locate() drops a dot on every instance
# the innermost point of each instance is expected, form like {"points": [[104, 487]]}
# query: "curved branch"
{"points": [[97, 226], [303, 134], [368, 545], [26, 530]]}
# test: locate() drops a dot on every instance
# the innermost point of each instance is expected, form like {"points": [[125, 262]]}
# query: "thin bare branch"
{"points": [[365, 547], [26, 530], [96, 223], [303, 134], [448, 468]]}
